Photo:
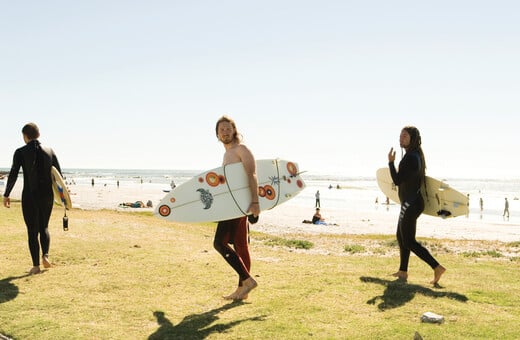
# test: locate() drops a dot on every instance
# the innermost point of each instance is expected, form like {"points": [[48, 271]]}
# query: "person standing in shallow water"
{"points": [[37, 196], [235, 231], [409, 179]]}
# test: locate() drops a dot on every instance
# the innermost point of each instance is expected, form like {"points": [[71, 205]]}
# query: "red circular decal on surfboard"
{"points": [[299, 183], [212, 179], [172, 199], [270, 193], [201, 180], [291, 167], [164, 210]]}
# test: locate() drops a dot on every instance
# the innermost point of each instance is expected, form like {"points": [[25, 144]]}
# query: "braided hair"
{"points": [[415, 145]]}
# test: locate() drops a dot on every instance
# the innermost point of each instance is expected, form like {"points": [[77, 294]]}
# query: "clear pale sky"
{"points": [[329, 84]]}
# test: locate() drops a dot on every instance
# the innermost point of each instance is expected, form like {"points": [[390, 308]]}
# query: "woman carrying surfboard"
{"points": [[36, 162], [235, 231], [409, 179]]}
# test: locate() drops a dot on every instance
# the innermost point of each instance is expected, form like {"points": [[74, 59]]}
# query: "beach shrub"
{"points": [[491, 253], [291, 243], [392, 243], [494, 253], [471, 254], [354, 248]]}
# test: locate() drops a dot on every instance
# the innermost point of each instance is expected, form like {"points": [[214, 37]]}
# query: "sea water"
{"points": [[342, 194]]}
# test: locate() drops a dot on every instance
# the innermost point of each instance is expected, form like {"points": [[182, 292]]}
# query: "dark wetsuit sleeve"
{"points": [[13, 174], [408, 177], [393, 173]]}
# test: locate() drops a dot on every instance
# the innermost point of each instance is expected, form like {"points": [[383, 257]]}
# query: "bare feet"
{"points": [[35, 270], [247, 286], [235, 294], [437, 273], [401, 275], [45, 261]]}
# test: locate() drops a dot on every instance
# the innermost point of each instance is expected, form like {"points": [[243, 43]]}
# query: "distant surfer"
{"points": [[317, 196], [37, 195], [409, 179], [235, 231]]}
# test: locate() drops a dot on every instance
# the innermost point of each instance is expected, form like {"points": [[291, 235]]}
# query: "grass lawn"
{"points": [[123, 275]]}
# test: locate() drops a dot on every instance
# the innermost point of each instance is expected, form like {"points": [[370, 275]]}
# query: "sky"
{"points": [[327, 84]]}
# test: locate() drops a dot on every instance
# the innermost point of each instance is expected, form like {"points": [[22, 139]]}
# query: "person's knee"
{"points": [[408, 242], [217, 244]]}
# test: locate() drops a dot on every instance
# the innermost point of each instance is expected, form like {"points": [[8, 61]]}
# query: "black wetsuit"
{"points": [[37, 196], [409, 180]]}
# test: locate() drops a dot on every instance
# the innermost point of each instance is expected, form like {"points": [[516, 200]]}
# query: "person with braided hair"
{"points": [[409, 179], [37, 196]]}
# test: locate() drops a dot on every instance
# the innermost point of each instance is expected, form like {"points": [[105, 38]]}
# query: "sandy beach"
{"points": [[287, 218]]}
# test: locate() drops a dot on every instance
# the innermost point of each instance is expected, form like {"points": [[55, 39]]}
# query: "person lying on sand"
{"points": [[136, 204]]}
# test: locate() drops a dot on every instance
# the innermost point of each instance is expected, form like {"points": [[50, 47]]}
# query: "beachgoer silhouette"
{"points": [[506, 208]]}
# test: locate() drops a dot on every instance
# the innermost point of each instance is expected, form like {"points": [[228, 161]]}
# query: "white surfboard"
{"points": [[223, 193], [439, 198], [61, 193]]}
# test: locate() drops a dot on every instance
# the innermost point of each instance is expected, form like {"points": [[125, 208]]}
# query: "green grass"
{"points": [[354, 248], [122, 275]]}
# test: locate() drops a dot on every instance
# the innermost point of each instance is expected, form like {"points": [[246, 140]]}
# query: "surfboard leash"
{"points": [[65, 218], [231, 193]]}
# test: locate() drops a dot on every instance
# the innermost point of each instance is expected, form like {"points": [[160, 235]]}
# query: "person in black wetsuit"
{"points": [[37, 196], [409, 179]]}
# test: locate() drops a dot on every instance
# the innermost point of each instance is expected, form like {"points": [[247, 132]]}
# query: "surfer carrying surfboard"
{"points": [[36, 162], [409, 179], [235, 231]]}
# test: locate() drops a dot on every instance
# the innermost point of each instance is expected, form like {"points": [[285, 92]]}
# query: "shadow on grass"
{"points": [[398, 293], [8, 290], [196, 326]]}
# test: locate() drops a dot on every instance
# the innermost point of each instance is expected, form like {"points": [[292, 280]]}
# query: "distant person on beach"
{"points": [[506, 208], [481, 204], [36, 162], [136, 204], [317, 196], [409, 179], [235, 231], [317, 219]]}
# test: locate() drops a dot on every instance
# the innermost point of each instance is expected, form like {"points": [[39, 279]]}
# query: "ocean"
{"points": [[338, 193]]}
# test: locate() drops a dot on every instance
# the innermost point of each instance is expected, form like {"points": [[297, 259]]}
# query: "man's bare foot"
{"points": [[247, 285], [45, 261], [437, 273], [234, 295], [401, 275], [35, 270]]}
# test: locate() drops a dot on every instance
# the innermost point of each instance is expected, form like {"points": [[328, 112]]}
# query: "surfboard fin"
{"points": [[443, 213]]}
